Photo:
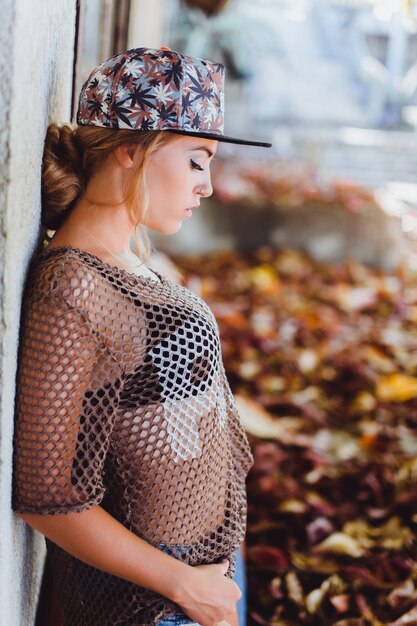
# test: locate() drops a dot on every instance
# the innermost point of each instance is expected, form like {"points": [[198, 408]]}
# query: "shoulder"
{"points": [[63, 274]]}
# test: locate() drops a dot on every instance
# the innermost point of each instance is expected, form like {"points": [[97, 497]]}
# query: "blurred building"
{"points": [[313, 74]]}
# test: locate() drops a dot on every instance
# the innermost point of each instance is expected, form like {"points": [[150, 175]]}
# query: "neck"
{"points": [[100, 222], [102, 227]]}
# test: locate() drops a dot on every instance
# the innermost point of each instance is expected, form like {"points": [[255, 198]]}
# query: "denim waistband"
{"points": [[175, 549], [176, 620]]}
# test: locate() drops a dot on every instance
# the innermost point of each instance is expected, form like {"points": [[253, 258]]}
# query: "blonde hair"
{"points": [[73, 154]]}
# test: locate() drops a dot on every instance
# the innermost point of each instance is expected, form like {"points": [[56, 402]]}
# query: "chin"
{"points": [[167, 229]]}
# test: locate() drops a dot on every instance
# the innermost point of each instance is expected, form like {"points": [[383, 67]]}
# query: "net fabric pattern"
{"points": [[123, 401]]}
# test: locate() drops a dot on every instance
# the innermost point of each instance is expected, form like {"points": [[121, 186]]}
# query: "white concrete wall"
{"points": [[36, 57], [146, 24]]}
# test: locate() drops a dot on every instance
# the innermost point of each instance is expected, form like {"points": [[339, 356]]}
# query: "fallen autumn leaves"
{"points": [[322, 360]]}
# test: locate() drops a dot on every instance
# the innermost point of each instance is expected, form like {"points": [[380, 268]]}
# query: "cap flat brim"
{"points": [[245, 142]]}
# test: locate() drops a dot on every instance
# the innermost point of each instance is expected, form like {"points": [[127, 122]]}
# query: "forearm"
{"points": [[95, 537]]}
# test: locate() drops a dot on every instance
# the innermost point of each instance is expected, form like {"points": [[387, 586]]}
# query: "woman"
{"points": [[129, 453]]}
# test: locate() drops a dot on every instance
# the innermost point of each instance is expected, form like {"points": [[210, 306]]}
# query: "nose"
{"points": [[207, 189]]}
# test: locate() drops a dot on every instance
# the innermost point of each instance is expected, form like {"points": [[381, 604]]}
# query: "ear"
{"points": [[124, 155]]}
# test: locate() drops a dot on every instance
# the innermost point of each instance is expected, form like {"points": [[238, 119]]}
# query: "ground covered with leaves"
{"points": [[322, 360], [287, 184]]}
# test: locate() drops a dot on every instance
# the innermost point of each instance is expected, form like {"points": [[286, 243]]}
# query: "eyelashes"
{"points": [[196, 166]]}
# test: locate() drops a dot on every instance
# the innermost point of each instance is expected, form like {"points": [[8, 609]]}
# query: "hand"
{"points": [[208, 596]]}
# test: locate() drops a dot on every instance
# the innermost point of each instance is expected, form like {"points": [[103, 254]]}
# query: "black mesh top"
{"points": [[122, 400]]}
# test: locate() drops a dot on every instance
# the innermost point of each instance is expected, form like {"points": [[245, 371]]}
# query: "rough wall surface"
{"points": [[36, 56]]}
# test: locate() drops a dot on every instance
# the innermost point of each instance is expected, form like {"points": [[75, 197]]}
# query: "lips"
{"points": [[189, 210]]}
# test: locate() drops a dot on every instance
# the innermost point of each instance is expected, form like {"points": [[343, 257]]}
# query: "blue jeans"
{"points": [[240, 580]]}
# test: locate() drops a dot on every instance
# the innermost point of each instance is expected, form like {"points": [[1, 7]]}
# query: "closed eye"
{"points": [[196, 166]]}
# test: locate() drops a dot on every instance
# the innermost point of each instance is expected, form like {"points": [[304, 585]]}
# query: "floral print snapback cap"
{"points": [[157, 89]]}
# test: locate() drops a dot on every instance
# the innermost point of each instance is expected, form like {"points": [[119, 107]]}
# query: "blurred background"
{"points": [[307, 256], [333, 85]]}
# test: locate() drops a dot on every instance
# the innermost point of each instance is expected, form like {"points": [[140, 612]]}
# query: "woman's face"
{"points": [[177, 176]]}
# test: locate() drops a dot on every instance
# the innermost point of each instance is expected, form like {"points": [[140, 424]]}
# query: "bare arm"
{"points": [[95, 537]]}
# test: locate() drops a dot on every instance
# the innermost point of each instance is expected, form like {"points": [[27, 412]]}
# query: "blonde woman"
{"points": [[129, 453]]}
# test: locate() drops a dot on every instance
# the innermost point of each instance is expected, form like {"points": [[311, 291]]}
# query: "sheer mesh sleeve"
{"points": [[64, 415]]}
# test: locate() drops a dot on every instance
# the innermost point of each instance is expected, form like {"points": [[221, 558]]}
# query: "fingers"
{"points": [[225, 567], [240, 592]]}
